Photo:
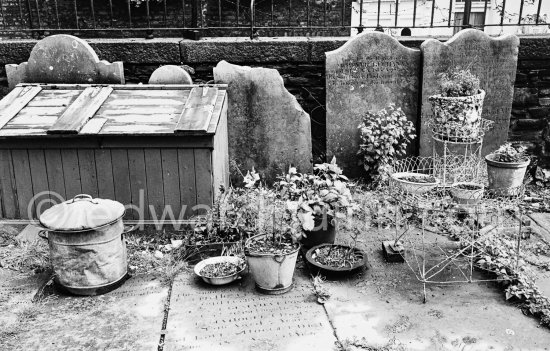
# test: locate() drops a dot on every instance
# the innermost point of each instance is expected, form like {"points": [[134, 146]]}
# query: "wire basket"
{"points": [[454, 132], [414, 182]]}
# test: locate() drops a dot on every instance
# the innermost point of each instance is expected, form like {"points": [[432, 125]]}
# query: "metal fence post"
{"points": [[467, 11], [195, 13]]}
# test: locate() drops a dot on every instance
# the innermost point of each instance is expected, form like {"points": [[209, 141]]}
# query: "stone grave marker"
{"points": [[170, 74], [128, 318], [236, 317], [267, 127], [67, 59], [493, 60], [367, 73]]}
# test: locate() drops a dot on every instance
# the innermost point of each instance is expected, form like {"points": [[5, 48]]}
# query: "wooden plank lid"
{"points": [[77, 109]]}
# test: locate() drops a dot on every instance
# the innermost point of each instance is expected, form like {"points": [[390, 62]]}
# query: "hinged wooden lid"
{"points": [[52, 109]]}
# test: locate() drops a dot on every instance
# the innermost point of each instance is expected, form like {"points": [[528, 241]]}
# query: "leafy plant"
{"points": [[384, 136], [323, 195], [497, 254], [510, 154], [458, 82]]}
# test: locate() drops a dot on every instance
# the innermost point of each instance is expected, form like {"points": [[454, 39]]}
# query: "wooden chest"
{"points": [[159, 149]]}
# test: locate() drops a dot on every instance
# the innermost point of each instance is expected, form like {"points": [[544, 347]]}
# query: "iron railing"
{"points": [[195, 18]]}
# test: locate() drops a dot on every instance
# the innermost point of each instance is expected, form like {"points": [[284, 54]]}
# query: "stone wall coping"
{"points": [[234, 49]]}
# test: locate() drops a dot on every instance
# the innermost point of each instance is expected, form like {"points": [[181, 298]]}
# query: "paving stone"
{"points": [[128, 318], [383, 306], [16, 293], [236, 317]]}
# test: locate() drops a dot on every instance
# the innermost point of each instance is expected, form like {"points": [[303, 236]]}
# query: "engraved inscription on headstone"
{"points": [[493, 60], [233, 317], [367, 73]]}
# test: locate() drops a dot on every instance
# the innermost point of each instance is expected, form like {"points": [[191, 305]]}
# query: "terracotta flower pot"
{"points": [[457, 117], [505, 178]]}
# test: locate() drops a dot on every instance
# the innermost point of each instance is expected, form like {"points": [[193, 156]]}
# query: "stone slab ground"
{"points": [[380, 308]]}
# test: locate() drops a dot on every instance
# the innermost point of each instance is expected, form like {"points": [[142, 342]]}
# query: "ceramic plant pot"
{"points": [[505, 178], [272, 273], [457, 117], [414, 187], [324, 233], [467, 193]]}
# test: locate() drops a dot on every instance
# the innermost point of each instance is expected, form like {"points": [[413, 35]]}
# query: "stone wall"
{"points": [[301, 64]]}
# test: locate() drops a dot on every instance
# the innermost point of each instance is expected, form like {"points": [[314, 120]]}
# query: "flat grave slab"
{"points": [[128, 318], [236, 317], [16, 294], [382, 307]]}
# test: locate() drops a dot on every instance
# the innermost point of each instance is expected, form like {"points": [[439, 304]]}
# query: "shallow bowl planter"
{"points": [[271, 272], [467, 196], [198, 252], [239, 262], [414, 187], [335, 271], [505, 178], [457, 116]]}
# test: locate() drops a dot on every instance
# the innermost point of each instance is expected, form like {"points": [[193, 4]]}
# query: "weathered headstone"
{"points": [[267, 128], [236, 317], [64, 59], [367, 73], [493, 60], [170, 74]]}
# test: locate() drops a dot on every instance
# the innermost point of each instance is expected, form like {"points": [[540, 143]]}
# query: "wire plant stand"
{"points": [[476, 215], [456, 151]]}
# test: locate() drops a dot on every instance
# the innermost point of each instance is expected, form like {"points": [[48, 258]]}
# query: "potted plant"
{"points": [[220, 270], [506, 169], [230, 221], [457, 108], [384, 136], [467, 193], [415, 183], [271, 255], [321, 197]]}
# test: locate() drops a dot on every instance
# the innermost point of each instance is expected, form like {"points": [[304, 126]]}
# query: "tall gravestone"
{"points": [[267, 127], [493, 60], [367, 73]]}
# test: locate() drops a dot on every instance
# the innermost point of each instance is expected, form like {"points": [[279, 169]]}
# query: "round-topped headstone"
{"points": [[170, 74]]}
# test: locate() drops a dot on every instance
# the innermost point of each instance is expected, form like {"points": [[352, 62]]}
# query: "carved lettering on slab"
{"points": [[201, 317]]}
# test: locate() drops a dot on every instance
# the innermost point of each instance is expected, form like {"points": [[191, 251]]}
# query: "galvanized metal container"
{"points": [[87, 247]]}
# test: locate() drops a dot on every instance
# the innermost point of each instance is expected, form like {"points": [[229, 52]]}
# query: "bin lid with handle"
{"points": [[82, 213]]}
